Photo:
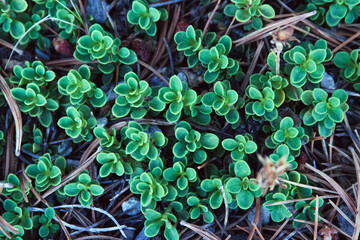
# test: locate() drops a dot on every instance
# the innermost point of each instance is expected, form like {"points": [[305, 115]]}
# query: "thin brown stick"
{"points": [[154, 71], [211, 16], [4, 87], [346, 42]]}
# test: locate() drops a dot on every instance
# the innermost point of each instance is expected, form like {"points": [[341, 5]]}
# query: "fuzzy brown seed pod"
{"points": [[63, 46], [181, 26], [141, 49]]}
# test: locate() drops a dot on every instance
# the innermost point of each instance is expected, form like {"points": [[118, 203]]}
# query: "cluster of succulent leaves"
{"points": [[350, 67], [189, 184], [333, 12], [145, 17], [245, 10]]}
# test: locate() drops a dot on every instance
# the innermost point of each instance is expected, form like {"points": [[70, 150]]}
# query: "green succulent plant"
{"points": [[68, 25], [263, 104], [276, 82], [9, 21], [216, 61], [224, 101], [145, 17], [178, 96], [197, 208], [16, 192], [199, 112], [45, 173], [33, 139], [350, 67], [35, 72], [99, 45], [150, 188], [244, 188], [192, 141], [307, 211], [213, 188], [16, 215], [133, 93], [44, 221], [245, 10], [78, 123], [140, 145], [113, 163], [190, 42], [107, 141], [79, 88], [181, 174], [278, 212], [347, 10], [288, 134], [240, 146], [85, 188], [155, 220], [323, 110], [305, 63], [35, 102]]}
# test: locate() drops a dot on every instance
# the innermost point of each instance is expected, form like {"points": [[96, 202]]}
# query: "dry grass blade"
{"points": [[341, 212], [9, 155], [211, 16], [346, 198], [97, 237], [252, 66], [266, 31], [316, 217], [334, 226], [200, 230], [8, 227], [15, 112], [357, 218], [346, 42], [226, 206], [154, 71], [256, 219]]}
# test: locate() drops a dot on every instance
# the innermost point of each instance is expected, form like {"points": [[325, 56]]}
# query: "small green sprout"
{"points": [[216, 61], [145, 17], [181, 174], [263, 104], [107, 141], [132, 93], [45, 173], [155, 220], [192, 141], [350, 67], [240, 146], [16, 192], [323, 110], [113, 163], [44, 221], [307, 211], [36, 72], [35, 102], [278, 212], [198, 208], [245, 10], [16, 215], [79, 88], [85, 188], [224, 101], [78, 123]]}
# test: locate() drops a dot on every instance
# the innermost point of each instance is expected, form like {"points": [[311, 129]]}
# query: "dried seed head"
{"points": [[269, 173], [141, 49], [285, 34], [181, 26], [63, 47]]}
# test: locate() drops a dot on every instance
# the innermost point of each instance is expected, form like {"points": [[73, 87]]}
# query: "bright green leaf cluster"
{"points": [[288, 134], [101, 46], [78, 123], [224, 101], [9, 22], [350, 67], [85, 188], [323, 110], [193, 142], [113, 163], [240, 147], [307, 211], [16, 215], [245, 10], [44, 221], [181, 174], [145, 17], [216, 61], [36, 103], [107, 141], [155, 220], [141, 145], [35, 72], [45, 173], [305, 62], [262, 103], [133, 93], [79, 88], [178, 96], [15, 192]]}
